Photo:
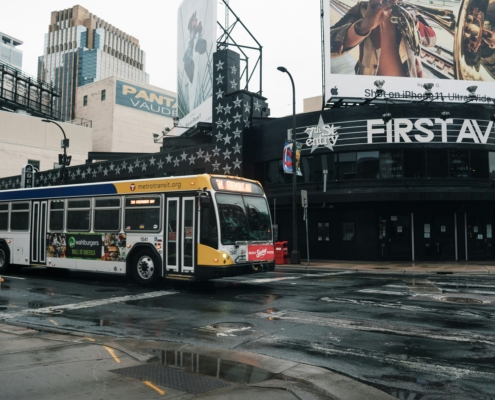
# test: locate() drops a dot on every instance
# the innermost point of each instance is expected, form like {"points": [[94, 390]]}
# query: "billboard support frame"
{"points": [[223, 43]]}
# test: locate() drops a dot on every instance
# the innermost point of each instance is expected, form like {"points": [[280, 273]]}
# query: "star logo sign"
{"points": [[322, 135]]}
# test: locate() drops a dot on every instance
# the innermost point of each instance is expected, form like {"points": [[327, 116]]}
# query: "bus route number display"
{"points": [[232, 185]]}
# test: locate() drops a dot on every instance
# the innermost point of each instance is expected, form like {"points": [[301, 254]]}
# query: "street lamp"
{"points": [[294, 256], [63, 160]]}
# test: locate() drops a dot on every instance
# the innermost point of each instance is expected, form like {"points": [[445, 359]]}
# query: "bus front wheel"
{"points": [[146, 268], [4, 258]]}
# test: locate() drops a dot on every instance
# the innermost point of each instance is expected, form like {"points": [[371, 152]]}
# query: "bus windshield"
{"points": [[243, 218]]}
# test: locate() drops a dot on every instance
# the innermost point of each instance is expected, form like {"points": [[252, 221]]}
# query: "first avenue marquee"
{"points": [[398, 130]]}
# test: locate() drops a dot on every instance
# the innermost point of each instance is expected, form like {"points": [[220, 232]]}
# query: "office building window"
{"points": [[85, 101], [103, 94]]}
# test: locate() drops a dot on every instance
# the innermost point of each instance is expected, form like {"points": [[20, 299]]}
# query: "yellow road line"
{"points": [[158, 390], [112, 353]]}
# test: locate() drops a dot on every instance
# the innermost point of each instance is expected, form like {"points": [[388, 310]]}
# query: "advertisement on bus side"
{"points": [[88, 246]]}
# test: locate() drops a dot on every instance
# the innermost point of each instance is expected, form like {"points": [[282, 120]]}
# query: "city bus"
{"points": [[188, 228]]}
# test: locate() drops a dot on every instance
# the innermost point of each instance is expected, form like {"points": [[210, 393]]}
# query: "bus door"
{"points": [[38, 232], [180, 235]]}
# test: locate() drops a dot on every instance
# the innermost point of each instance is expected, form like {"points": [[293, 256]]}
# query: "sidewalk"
{"points": [[401, 267], [56, 365]]}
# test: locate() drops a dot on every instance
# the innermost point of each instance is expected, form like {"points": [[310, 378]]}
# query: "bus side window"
{"points": [[4, 216], [78, 212]]}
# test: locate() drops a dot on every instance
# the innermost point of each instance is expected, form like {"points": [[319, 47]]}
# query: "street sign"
{"points": [[304, 198], [27, 176]]}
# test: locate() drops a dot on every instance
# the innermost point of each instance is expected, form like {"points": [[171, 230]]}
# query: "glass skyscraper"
{"points": [[81, 48]]}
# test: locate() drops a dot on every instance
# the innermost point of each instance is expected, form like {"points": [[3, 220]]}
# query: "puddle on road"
{"points": [[231, 371]]}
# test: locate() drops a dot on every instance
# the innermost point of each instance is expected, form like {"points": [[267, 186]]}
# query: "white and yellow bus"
{"points": [[185, 228]]}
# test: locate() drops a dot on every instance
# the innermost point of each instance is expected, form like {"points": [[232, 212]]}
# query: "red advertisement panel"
{"points": [[261, 252]]}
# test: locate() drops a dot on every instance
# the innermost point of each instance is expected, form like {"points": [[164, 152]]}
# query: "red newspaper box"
{"points": [[282, 252]]}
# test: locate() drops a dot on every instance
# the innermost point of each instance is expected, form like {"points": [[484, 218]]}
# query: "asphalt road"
{"points": [[412, 336]]}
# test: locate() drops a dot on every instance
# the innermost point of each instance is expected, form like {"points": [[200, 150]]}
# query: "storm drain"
{"points": [[172, 378], [462, 300]]}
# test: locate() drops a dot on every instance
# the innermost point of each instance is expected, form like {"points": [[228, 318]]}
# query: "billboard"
{"points": [[197, 36], [139, 98], [449, 44]]}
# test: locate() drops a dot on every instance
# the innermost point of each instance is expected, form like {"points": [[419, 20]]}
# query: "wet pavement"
{"points": [[330, 330], [47, 365]]}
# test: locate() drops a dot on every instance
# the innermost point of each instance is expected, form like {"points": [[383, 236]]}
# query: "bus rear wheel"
{"points": [[146, 268], [4, 258]]}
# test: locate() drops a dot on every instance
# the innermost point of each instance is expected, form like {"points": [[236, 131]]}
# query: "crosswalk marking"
{"points": [[87, 304]]}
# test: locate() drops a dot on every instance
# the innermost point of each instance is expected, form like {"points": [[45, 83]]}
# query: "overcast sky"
{"points": [[288, 30]]}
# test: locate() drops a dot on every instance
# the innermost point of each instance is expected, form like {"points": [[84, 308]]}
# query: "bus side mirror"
{"points": [[204, 201]]}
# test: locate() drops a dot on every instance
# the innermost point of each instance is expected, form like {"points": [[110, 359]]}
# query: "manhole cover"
{"points": [[462, 300], [231, 326], [108, 290], [40, 290]]}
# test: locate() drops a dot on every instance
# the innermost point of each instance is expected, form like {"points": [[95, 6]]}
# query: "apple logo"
{"points": [[334, 91]]}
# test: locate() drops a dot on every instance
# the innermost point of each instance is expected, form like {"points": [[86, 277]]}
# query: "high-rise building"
{"points": [[81, 48], [8, 50]]}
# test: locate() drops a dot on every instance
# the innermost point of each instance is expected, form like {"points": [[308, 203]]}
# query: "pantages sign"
{"points": [[399, 130]]}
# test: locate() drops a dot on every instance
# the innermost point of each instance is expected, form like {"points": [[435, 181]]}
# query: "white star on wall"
{"points": [[237, 117], [237, 102], [207, 157], [227, 109], [200, 153], [215, 165], [160, 164], [237, 164], [183, 156], [216, 151], [227, 169], [257, 106], [237, 133], [237, 148], [176, 162], [247, 108], [219, 65], [227, 138], [226, 154], [191, 159], [219, 94], [219, 79], [168, 158]]}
